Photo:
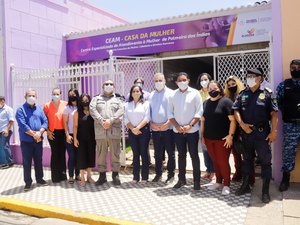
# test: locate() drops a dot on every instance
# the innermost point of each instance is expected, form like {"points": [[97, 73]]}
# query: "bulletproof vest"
{"points": [[291, 101]]}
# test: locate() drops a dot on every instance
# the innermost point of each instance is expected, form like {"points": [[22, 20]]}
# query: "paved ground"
{"points": [[146, 203]]}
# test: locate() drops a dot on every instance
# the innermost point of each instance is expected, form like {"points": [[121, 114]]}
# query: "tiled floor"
{"points": [[154, 203]]}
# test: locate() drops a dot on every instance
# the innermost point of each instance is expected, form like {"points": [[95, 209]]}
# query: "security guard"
{"points": [[254, 109], [288, 97]]}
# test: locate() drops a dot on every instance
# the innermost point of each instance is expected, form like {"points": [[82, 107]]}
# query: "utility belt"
{"points": [[260, 127]]}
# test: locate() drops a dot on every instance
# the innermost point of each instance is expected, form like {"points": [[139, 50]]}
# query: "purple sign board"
{"points": [[204, 33]]}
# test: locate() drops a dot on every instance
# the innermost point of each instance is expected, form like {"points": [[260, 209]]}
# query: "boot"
{"points": [[102, 178], [245, 188], [285, 183], [116, 179], [265, 190]]}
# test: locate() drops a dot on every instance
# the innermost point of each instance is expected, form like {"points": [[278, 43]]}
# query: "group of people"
{"points": [[215, 120]]}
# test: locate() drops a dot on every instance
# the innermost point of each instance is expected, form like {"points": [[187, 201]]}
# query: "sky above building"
{"points": [[144, 10]]}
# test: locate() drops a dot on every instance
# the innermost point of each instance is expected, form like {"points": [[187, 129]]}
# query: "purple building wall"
{"points": [[34, 37]]}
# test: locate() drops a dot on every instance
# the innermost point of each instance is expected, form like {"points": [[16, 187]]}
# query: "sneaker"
{"points": [[4, 166], [180, 184], [225, 190], [11, 164], [42, 183], [206, 175], [27, 187], [214, 186], [156, 178]]}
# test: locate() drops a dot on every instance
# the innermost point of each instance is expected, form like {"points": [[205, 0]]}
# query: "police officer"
{"points": [[107, 110], [288, 97], [254, 109]]}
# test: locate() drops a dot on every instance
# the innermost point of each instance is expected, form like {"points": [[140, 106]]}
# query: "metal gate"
{"points": [[238, 63]]}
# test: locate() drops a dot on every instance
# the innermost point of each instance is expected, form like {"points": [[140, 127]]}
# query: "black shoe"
{"points": [[4, 166], [156, 178], [116, 179], [180, 184], [27, 187], [42, 183], [197, 185], [102, 179], [245, 188], [265, 198], [169, 179], [285, 183], [11, 164]]}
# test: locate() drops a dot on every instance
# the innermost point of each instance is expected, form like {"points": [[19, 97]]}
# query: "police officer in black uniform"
{"points": [[254, 109]]}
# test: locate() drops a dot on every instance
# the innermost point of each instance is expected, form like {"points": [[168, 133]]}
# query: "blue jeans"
{"points": [[72, 160], [5, 149], [164, 140], [183, 141], [140, 144], [32, 150]]}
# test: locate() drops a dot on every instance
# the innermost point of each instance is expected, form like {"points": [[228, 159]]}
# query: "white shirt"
{"points": [[184, 106], [159, 105], [136, 113]]}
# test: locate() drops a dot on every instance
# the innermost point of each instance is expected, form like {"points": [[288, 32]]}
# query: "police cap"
{"points": [[256, 71]]}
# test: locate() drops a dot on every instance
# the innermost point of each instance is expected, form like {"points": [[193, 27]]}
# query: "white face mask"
{"points": [[204, 83], [251, 82], [182, 85], [108, 89], [159, 85], [31, 100]]}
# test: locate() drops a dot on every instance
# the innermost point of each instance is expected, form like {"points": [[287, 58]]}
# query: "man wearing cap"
{"points": [[288, 97], [254, 109], [107, 110]]}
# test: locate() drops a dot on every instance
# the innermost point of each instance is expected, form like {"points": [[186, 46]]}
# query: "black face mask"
{"points": [[233, 89], [85, 104], [295, 74], [214, 93], [72, 98]]}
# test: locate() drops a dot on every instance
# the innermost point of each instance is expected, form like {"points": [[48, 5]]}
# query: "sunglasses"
{"points": [[108, 84]]}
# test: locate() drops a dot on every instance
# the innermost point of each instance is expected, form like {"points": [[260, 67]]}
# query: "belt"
{"points": [[259, 127]]}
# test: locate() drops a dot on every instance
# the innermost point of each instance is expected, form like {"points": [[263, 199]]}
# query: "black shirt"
{"points": [[216, 125]]}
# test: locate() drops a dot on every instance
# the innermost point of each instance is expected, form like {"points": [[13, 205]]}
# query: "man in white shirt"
{"points": [[6, 125], [162, 133], [185, 110]]}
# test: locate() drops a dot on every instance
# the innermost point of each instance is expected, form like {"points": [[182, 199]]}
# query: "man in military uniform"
{"points": [[254, 109], [288, 97], [107, 110]]}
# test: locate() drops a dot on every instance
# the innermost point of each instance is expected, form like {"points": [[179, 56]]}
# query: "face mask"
{"points": [[85, 104], [136, 96], [55, 98], [159, 86], [214, 93], [251, 82], [108, 88], [72, 98], [31, 100], [204, 83], [233, 89], [182, 85], [295, 74]]}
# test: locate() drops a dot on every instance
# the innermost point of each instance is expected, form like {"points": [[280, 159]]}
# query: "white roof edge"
{"points": [[169, 20]]}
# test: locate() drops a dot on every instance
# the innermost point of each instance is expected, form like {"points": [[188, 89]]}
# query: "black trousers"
{"points": [[58, 156]]}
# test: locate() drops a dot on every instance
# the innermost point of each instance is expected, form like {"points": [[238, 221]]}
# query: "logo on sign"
{"points": [[250, 33]]}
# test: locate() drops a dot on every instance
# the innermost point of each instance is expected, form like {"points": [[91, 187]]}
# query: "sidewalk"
{"points": [[151, 203]]}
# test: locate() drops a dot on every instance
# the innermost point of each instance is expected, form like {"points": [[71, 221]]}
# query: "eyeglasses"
{"points": [[109, 84]]}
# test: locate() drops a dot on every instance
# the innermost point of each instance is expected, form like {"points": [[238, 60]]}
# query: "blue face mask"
{"points": [[55, 98]]}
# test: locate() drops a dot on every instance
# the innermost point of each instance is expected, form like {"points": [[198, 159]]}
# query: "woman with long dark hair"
{"points": [[68, 115], [84, 139], [137, 116]]}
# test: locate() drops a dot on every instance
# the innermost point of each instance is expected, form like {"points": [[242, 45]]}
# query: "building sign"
{"points": [[212, 32]]}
